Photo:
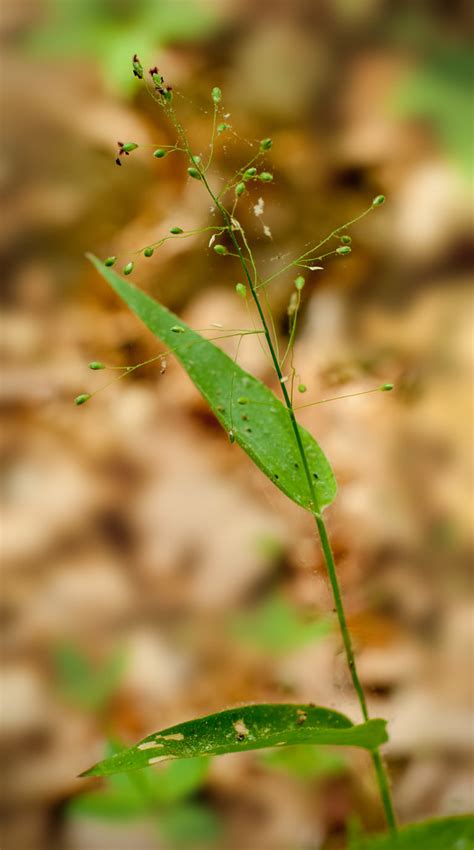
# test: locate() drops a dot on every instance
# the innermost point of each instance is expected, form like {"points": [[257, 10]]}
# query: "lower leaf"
{"points": [[249, 727], [455, 833]]}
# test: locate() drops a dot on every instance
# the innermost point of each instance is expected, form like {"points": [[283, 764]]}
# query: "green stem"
{"points": [[380, 770]]}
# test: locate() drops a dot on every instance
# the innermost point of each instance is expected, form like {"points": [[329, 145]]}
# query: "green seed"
{"points": [[130, 146], [299, 282], [193, 172], [110, 261], [378, 201], [346, 240], [176, 230], [242, 400], [160, 153], [148, 252], [222, 127], [266, 144], [302, 388], [81, 399], [241, 290], [240, 189], [128, 269], [196, 159], [221, 249], [216, 94], [266, 177], [231, 437], [251, 172], [177, 329], [95, 365], [386, 388], [343, 249]]}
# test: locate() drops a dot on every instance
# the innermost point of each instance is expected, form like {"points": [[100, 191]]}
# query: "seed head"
{"points": [[160, 153], [241, 290], [176, 230], [221, 249], [299, 283], [386, 388], [110, 261], [266, 144], [343, 249], [216, 94], [95, 365], [378, 201], [137, 67], [265, 176], [128, 269], [240, 189], [193, 172], [148, 252]]}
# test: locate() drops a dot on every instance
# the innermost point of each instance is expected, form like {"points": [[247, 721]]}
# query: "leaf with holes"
{"points": [[259, 422], [249, 727]]}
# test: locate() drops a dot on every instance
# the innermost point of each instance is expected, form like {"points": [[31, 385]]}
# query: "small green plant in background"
{"points": [[81, 683], [267, 429], [277, 627], [166, 798]]}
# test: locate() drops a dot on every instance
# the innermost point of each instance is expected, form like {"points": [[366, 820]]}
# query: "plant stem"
{"points": [[380, 770]]}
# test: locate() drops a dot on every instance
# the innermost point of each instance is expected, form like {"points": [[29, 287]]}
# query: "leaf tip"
{"points": [[91, 771]]}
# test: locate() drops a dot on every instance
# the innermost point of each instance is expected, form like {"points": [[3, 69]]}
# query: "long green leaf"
{"points": [[261, 426], [455, 833], [250, 727]]}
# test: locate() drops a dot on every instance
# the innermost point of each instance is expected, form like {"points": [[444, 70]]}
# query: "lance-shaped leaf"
{"points": [[456, 833], [250, 727], [244, 406]]}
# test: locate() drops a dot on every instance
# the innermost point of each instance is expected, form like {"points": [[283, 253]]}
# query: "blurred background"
{"points": [[150, 572]]}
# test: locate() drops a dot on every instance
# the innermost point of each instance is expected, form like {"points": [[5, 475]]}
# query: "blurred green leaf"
{"points": [[278, 627], [109, 804], [249, 727], [83, 684], [455, 833], [440, 92], [306, 762], [190, 825], [131, 795], [110, 31], [178, 780]]}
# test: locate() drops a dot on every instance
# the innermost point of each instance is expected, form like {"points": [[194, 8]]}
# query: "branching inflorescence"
{"points": [[229, 239]]}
